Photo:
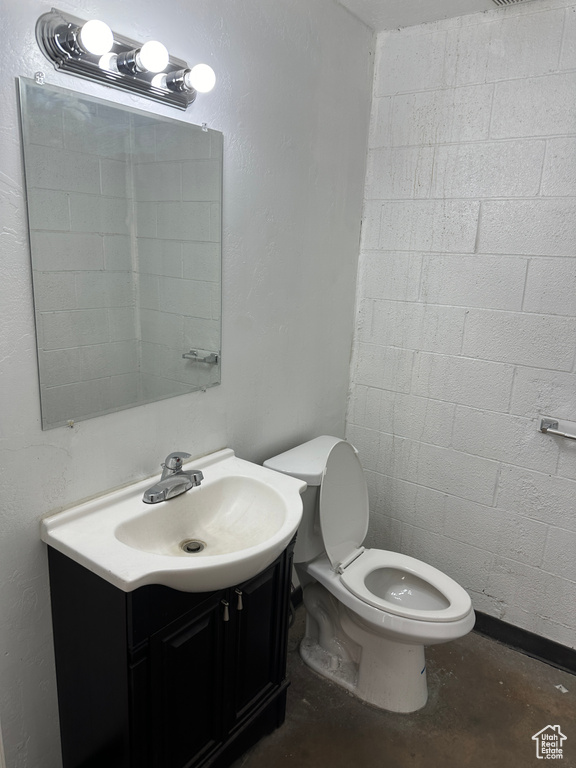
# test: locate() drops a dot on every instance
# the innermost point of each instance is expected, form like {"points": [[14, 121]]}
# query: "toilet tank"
{"points": [[307, 462]]}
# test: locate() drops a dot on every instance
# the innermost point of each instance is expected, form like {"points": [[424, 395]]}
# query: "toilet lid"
{"points": [[344, 508]]}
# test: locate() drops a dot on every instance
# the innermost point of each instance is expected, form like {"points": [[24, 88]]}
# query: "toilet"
{"points": [[369, 612]]}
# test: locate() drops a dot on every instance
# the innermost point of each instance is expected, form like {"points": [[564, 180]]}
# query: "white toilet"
{"points": [[369, 612]]}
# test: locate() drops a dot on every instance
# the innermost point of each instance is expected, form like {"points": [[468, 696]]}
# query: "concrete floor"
{"points": [[485, 703]]}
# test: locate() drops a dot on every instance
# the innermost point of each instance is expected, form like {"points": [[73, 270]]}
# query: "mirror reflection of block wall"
{"points": [[124, 213]]}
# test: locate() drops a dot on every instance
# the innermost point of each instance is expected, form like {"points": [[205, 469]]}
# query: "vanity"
{"points": [[167, 658]]}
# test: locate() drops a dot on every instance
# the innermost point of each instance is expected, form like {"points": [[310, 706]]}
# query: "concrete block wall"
{"points": [[466, 307], [79, 211], [178, 203]]}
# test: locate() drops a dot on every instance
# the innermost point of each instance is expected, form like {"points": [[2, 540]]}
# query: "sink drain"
{"points": [[192, 546]]}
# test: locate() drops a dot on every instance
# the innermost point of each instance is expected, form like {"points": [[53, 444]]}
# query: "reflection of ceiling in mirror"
{"points": [[124, 212]]}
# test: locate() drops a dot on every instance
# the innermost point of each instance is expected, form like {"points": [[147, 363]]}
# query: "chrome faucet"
{"points": [[174, 480]]}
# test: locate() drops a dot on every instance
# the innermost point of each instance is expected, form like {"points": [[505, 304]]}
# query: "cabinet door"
{"points": [[186, 660], [259, 609]]}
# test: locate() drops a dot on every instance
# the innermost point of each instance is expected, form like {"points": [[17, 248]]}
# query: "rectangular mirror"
{"points": [[124, 211]]}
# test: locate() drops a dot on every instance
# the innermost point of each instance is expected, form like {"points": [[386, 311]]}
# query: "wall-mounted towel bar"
{"points": [[550, 427]]}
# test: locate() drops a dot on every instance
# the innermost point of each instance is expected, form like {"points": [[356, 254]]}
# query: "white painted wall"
{"points": [[293, 104], [466, 327]]}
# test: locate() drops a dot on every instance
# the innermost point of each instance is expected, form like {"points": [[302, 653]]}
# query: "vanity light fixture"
{"points": [[91, 50]]}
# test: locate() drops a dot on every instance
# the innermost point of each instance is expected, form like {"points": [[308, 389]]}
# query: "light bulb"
{"points": [[201, 78], [109, 62], [159, 81], [152, 57], [96, 37]]}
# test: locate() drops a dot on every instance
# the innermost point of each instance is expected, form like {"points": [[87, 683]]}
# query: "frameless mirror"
{"points": [[124, 212]]}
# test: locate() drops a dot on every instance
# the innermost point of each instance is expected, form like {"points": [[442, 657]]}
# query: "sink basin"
{"points": [[214, 536]]}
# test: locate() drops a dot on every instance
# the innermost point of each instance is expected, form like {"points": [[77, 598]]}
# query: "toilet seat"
{"points": [[406, 576], [407, 587]]}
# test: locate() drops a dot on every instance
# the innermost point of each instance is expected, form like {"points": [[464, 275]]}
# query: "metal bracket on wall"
{"points": [[550, 427], [202, 356]]}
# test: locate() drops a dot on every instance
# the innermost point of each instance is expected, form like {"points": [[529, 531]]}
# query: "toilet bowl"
{"points": [[369, 612]]}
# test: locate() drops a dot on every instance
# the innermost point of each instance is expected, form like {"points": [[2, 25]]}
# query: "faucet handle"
{"points": [[174, 460]]}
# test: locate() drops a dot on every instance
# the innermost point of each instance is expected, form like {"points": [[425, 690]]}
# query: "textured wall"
{"points": [[466, 327], [293, 104]]}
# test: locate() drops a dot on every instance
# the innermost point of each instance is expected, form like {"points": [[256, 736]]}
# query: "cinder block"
{"points": [[472, 523], [51, 168], [371, 215], [54, 290], [125, 389], [488, 169], [402, 415], [184, 297], [503, 437], [539, 227], [66, 251], [399, 173], [117, 252], [59, 366], [48, 209], [201, 261], [547, 498], [184, 221], [109, 359], [568, 57], [467, 51], [105, 289], [73, 328], [367, 443], [146, 216], [540, 341], [408, 502], [379, 134], [525, 45], [122, 323], [159, 257], [437, 117], [390, 275], [462, 380], [383, 367], [96, 214], [560, 552], [63, 402], [425, 52], [115, 178], [429, 225], [158, 182], [412, 325], [201, 180], [539, 391], [452, 472], [176, 141], [538, 106], [157, 327], [551, 286], [490, 282], [559, 173], [467, 565]]}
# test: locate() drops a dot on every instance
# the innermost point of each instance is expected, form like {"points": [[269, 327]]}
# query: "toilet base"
{"points": [[386, 674]]}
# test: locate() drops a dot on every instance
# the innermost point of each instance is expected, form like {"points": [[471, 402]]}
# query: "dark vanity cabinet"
{"points": [[158, 678]]}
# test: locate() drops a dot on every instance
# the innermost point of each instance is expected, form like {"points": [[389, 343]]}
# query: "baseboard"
{"points": [[548, 651]]}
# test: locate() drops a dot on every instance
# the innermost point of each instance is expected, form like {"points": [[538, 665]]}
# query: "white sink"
{"points": [[239, 519]]}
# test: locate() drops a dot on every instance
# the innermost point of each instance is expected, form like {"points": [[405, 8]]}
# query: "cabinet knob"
{"points": [[226, 615], [239, 604]]}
